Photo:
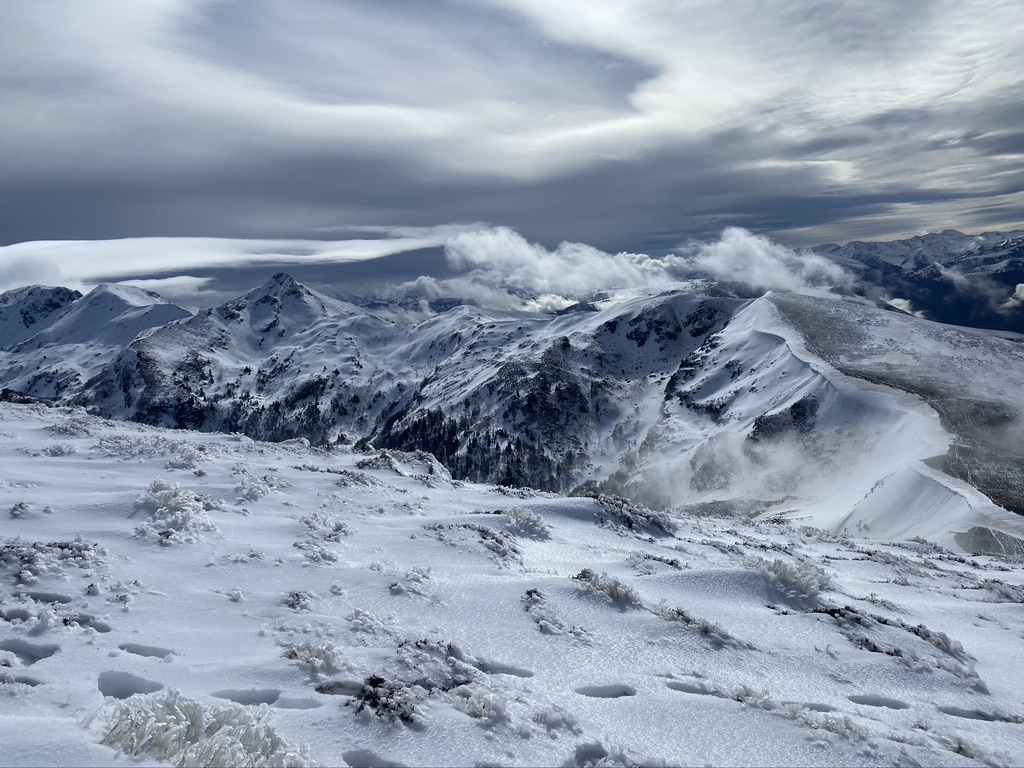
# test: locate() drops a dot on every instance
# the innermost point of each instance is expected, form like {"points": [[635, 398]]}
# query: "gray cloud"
{"points": [[629, 126]]}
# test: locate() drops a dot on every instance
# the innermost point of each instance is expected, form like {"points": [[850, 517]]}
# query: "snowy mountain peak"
{"points": [[125, 295], [24, 312], [283, 302], [111, 315]]}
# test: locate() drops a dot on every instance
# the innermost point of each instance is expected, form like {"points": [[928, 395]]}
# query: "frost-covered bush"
{"points": [[59, 449], [390, 701], [183, 456], [325, 527], [717, 636], [414, 582], [300, 601], [253, 489], [489, 708], [634, 517], [620, 594], [800, 582], [27, 561], [316, 552], [176, 515], [73, 426], [523, 522], [318, 660], [185, 732]]}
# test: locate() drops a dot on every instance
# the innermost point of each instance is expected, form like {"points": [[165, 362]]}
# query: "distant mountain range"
{"points": [[685, 397], [950, 277]]}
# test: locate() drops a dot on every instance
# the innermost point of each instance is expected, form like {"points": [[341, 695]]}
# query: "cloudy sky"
{"points": [[393, 124]]}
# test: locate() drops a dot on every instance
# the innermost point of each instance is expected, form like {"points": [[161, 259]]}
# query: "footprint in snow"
{"points": [[121, 685], [614, 691], [151, 651], [364, 758], [7, 679], [28, 652], [49, 597], [873, 700], [698, 689], [811, 705], [284, 703], [978, 714], [250, 696]]}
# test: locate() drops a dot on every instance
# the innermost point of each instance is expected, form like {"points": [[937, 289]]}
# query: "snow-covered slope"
{"points": [[206, 599], [24, 312], [683, 399], [75, 340]]}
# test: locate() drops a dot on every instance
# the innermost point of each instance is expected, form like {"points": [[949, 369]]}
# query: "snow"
{"points": [[214, 599]]}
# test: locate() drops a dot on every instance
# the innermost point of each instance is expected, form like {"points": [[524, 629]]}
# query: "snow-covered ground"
{"points": [[202, 598]]}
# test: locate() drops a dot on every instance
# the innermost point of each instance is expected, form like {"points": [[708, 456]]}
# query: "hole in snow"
{"points": [[606, 691], [283, 703], [871, 700], [364, 757], [15, 614], [121, 685], [493, 668], [971, 714], [811, 705], [146, 650], [251, 696], [28, 653], [50, 597], [19, 679], [696, 688]]}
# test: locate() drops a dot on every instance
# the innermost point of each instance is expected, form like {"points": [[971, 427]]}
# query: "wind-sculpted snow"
{"points": [[364, 608], [974, 379]]}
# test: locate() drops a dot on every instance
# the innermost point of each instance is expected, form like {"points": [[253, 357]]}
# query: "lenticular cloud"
{"points": [[500, 259]]}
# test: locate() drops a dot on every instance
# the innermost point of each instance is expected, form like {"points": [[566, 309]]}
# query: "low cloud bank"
{"points": [[78, 263], [502, 269]]}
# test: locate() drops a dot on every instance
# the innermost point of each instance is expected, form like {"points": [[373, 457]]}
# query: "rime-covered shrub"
{"points": [[59, 449], [27, 561], [73, 426], [390, 701], [523, 522], [318, 660], [300, 601], [713, 633], [325, 527], [634, 517], [176, 515], [800, 582], [415, 582], [620, 594], [185, 732]]}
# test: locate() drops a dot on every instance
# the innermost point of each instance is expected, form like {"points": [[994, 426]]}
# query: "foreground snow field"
{"points": [[201, 598]]}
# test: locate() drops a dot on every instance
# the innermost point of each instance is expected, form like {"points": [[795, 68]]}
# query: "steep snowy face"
{"points": [[542, 401], [279, 309], [75, 341], [752, 420], [25, 312], [280, 362], [525, 399], [109, 315]]}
